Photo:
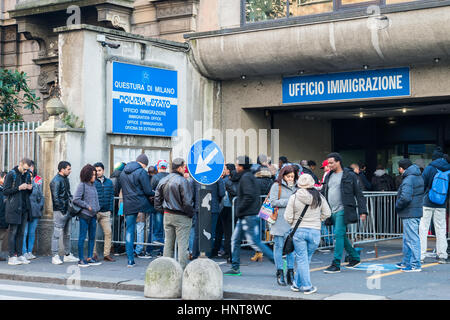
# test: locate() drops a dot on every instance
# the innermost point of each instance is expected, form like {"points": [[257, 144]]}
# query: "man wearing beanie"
{"points": [[136, 191], [409, 209], [344, 195]]}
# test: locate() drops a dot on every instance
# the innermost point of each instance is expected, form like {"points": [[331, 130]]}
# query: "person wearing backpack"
{"points": [[435, 199]]}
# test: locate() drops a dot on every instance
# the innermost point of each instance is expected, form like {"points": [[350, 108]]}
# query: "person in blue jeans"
{"points": [[279, 195], [307, 236], [409, 209], [37, 206], [248, 223], [86, 198], [136, 191]]}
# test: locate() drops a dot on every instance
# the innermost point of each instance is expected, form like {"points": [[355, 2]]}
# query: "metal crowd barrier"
{"points": [[382, 223]]}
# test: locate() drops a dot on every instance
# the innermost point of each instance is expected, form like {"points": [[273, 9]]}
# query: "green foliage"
{"points": [[14, 95], [71, 120], [260, 10]]}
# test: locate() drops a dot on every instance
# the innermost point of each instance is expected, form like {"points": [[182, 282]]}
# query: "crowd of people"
{"points": [[138, 194]]}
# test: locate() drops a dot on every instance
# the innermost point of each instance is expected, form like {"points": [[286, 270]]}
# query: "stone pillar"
{"points": [[54, 148]]}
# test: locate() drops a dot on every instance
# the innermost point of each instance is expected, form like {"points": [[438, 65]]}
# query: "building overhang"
{"points": [[395, 37], [36, 7]]}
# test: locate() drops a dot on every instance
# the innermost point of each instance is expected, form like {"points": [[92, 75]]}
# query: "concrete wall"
{"points": [[84, 77]]}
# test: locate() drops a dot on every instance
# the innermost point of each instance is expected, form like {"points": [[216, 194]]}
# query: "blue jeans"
{"points": [[411, 243], [130, 221], [140, 228], [248, 226], [278, 243], [327, 237], [30, 231], [89, 227], [158, 227], [306, 241]]}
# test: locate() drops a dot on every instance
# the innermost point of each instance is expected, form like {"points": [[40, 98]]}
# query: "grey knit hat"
{"points": [[142, 158]]}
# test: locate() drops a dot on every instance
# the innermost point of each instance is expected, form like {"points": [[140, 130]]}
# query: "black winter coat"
{"points": [[248, 201], [3, 224], [60, 191], [136, 189], [17, 202], [352, 196]]}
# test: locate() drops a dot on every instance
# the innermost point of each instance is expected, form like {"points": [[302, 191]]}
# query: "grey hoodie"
{"points": [[313, 216]]}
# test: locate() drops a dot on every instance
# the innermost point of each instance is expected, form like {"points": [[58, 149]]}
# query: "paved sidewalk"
{"points": [[258, 278]]}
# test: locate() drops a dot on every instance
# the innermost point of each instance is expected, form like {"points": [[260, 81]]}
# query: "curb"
{"points": [[122, 285]]}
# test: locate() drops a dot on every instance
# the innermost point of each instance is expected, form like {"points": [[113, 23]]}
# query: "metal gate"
{"points": [[18, 141]]}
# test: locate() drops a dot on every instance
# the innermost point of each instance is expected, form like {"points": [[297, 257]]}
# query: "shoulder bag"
{"points": [[73, 209], [288, 246]]}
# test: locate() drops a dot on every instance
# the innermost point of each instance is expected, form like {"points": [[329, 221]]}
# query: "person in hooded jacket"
{"points": [[307, 236], [381, 181], [434, 211], [409, 209], [136, 191], [280, 193], [17, 189], [37, 206]]}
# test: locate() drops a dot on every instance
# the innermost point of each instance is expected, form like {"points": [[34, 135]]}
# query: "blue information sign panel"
{"points": [[381, 83], [205, 162], [144, 100]]}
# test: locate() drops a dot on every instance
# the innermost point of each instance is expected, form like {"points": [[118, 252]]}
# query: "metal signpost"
{"points": [[205, 163]]}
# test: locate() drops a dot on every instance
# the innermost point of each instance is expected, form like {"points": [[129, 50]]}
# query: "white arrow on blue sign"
{"points": [[205, 162]]}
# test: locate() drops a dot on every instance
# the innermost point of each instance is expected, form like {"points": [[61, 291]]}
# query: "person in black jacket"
{"points": [[381, 181], [136, 191], [363, 181], [60, 191], [248, 205], [341, 188], [174, 196], [118, 221], [3, 224], [17, 189]]}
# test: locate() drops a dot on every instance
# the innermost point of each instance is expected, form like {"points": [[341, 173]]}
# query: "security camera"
{"points": [[110, 45]]}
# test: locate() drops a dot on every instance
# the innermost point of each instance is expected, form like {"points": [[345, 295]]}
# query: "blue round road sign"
{"points": [[205, 162]]}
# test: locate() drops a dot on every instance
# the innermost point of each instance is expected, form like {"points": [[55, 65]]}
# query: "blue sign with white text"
{"points": [[205, 162], [381, 83], [144, 100]]}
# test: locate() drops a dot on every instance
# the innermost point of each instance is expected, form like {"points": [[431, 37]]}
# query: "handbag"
{"points": [[267, 212], [288, 246], [73, 209]]}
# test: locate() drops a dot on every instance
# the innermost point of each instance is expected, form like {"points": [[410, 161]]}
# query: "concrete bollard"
{"points": [[163, 279], [202, 280]]}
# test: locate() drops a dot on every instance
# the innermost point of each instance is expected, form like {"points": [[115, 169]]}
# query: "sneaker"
{"points": [[233, 272], [400, 265], [442, 261], [83, 264], [157, 243], [93, 262], [309, 291], [14, 261], [332, 269], [56, 259], [70, 258], [30, 256], [120, 253], [143, 255], [295, 288], [23, 260], [411, 269], [352, 264], [131, 264]]}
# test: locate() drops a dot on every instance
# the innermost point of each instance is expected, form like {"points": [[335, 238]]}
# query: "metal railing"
{"points": [[382, 222], [18, 141]]}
